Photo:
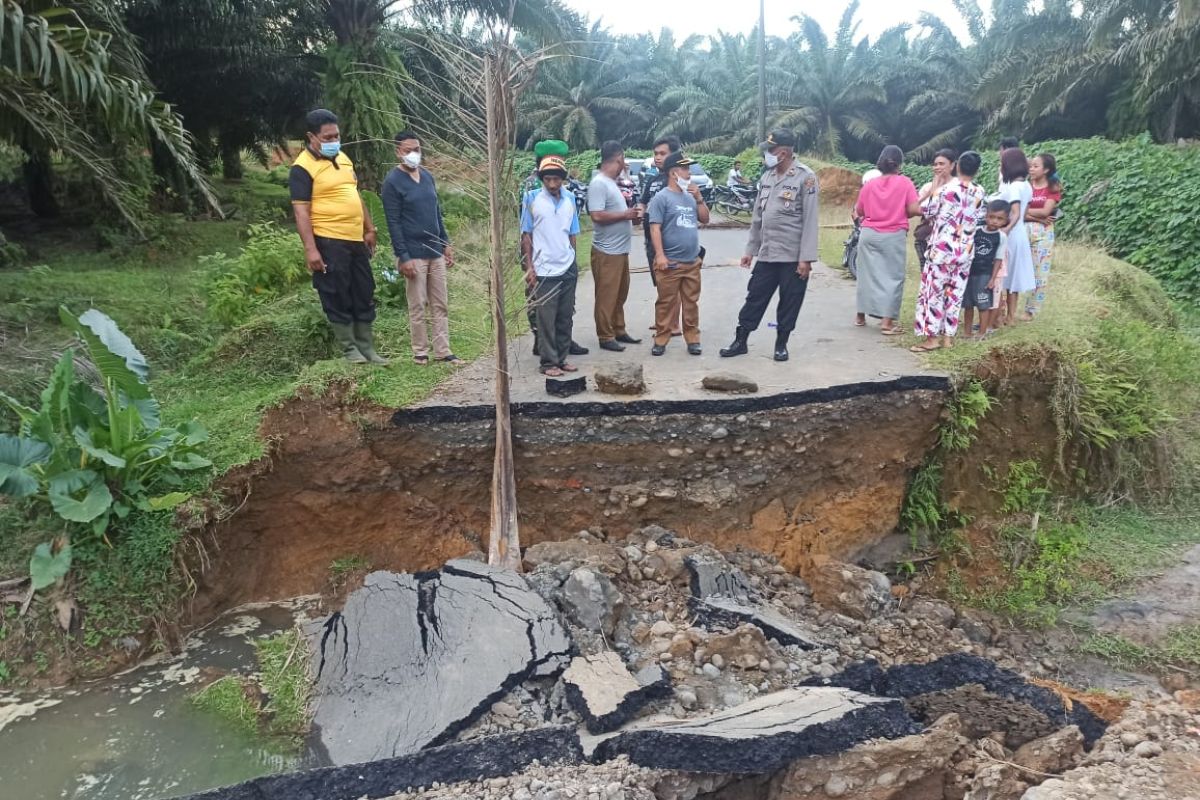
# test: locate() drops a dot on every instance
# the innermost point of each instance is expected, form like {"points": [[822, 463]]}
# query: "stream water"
{"points": [[137, 736]]}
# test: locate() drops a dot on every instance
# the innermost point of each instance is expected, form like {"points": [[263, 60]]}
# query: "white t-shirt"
{"points": [[734, 179], [551, 223]]}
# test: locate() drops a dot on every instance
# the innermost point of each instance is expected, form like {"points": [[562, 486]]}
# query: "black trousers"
{"points": [[764, 280], [554, 304], [347, 286]]}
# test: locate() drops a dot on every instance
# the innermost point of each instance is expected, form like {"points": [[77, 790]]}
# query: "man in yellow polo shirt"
{"points": [[338, 236]]}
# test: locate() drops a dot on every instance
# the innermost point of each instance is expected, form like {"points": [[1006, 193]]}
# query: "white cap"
{"points": [[871, 174]]}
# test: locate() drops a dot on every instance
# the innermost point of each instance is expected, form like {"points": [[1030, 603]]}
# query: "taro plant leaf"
{"points": [[148, 409], [56, 397], [193, 433], [86, 444], [94, 503], [46, 568], [114, 355], [17, 455], [167, 501], [189, 461]]}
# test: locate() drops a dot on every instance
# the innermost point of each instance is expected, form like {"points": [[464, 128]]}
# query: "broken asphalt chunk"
{"points": [[412, 660], [760, 736], [602, 690], [723, 612]]}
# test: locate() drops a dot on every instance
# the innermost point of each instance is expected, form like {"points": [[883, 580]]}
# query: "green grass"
{"points": [[1081, 557], [1178, 649], [226, 698], [283, 679], [283, 669], [347, 564]]}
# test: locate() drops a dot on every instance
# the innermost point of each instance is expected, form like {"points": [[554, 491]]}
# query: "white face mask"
{"points": [[413, 159], [771, 160], [683, 183]]}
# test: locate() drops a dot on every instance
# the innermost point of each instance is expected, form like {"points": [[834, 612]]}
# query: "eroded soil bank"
{"points": [[821, 472]]}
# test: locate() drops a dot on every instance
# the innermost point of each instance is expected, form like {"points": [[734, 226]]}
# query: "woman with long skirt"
{"points": [[884, 206]]}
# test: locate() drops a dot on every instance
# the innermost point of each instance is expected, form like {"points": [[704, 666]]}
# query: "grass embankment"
{"points": [[203, 367], [1125, 393]]}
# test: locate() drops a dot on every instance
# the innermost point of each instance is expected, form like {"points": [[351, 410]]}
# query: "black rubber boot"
{"points": [[343, 332], [738, 346], [781, 351], [364, 337]]}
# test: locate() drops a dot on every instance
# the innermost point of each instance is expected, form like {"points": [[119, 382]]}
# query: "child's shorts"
{"points": [[977, 294]]}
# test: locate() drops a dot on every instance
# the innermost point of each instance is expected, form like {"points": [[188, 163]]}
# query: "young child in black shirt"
{"points": [[986, 265]]}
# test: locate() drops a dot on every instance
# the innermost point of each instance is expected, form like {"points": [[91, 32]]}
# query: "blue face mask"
{"points": [[330, 149]]}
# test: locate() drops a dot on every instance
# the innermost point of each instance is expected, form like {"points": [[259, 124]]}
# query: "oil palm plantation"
{"points": [[73, 82], [364, 63], [196, 50], [581, 93], [837, 89]]}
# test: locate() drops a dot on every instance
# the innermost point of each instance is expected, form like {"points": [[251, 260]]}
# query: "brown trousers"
{"points": [[429, 288], [676, 286], [612, 290]]}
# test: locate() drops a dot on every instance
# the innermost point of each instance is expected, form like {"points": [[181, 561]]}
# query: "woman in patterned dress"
{"points": [[1039, 221], [954, 211]]}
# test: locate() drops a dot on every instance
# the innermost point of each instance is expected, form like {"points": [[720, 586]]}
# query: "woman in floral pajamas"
{"points": [[954, 211]]}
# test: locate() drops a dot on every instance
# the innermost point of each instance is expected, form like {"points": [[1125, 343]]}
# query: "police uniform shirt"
{"points": [[785, 225]]}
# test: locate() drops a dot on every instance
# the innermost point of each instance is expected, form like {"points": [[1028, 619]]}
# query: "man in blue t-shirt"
{"points": [[675, 216]]}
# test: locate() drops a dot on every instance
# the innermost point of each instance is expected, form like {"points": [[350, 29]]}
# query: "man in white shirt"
{"points": [[736, 179], [549, 225]]}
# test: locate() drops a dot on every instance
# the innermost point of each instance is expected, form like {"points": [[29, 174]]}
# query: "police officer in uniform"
{"points": [[783, 239]]}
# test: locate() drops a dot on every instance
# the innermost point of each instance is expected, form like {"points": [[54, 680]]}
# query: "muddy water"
{"points": [[136, 736]]}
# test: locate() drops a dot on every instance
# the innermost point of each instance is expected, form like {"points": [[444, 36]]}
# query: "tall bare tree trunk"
{"points": [[504, 543]]}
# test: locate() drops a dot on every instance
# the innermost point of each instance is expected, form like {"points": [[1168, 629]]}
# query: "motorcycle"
{"points": [[850, 250], [734, 202]]}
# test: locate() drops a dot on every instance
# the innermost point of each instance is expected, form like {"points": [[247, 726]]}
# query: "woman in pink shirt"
{"points": [[884, 206]]}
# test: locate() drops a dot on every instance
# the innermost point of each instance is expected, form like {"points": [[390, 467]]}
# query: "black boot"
{"points": [[738, 346], [781, 351]]}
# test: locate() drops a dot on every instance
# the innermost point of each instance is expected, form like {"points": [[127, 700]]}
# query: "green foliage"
{"points": [[348, 564], [1139, 199], [1046, 573], [75, 83], [95, 454], [752, 162], [1178, 650], [1025, 487], [361, 83], [227, 698], [270, 264], [970, 404], [46, 567], [283, 667], [924, 511]]}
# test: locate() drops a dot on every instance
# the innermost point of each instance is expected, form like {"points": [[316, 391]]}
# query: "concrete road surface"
{"points": [[826, 348]]}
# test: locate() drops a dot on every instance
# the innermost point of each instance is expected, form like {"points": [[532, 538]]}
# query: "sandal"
{"points": [[860, 321], [452, 360], [893, 331], [928, 347], [552, 372], [422, 361], [568, 368]]}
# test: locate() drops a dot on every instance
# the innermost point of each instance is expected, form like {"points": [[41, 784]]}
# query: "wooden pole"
{"points": [[504, 543]]}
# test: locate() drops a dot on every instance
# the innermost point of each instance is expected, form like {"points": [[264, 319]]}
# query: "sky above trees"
{"points": [[686, 17]]}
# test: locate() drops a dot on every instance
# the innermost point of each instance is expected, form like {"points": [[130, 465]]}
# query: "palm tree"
{"points": [[1142, 55], [835, 91], [196, 50], [72, 81], [364, 62], [579, 95]]}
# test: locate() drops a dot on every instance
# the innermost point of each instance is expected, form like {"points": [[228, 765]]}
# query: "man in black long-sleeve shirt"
{"points": [[422, 248]]}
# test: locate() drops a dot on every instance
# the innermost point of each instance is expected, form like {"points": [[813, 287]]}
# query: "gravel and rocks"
{"points": [[643, 611]]}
